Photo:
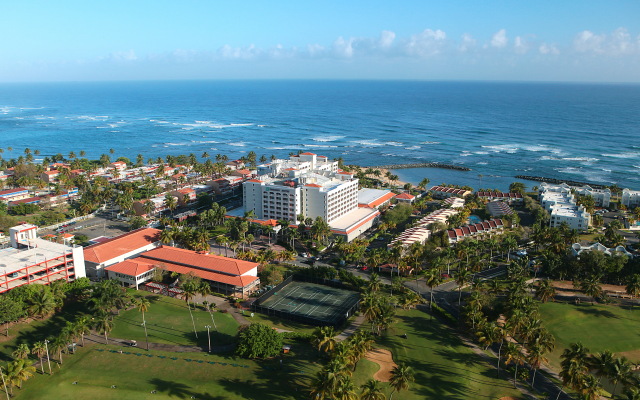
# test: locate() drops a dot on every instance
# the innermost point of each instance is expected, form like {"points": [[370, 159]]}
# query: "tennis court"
{"points": [[310, 302]]}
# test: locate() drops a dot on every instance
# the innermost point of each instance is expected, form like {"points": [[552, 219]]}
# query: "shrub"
{"points": [[258, 341]]}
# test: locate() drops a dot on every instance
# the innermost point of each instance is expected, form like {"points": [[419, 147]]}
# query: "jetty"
{"points": [[422, 165], [559, 181]]}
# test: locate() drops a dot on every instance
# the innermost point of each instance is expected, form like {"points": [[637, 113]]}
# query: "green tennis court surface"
{"points": [[310, 300]]}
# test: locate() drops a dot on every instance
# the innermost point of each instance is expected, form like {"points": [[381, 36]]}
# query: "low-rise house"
{"points": [[441, 192], [509, 198], [184, 195], [405, 198], [498, 208], [14, 194], [578, 249], [50, 176], [630, 198], [475, 230]]}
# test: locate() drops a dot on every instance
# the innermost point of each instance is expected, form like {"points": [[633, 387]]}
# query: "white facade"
{"points": [[630, 198], [561, 205], [601, 197], [313, 194], [301, 163]]}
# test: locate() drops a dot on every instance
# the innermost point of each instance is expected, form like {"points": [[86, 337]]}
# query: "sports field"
{"points": [[310, 300]]}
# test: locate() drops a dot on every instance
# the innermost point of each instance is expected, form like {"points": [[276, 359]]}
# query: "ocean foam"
{"points": [[237, 144], [622, 155], [326, 138]]}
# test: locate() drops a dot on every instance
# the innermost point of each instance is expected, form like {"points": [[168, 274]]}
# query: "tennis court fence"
{"points": [[335, 320]]}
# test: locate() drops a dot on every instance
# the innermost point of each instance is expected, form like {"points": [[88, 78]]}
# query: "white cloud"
{"points": [[467, 43], [548, 49], [499, 39], [425, 44], [617, 43], [343, 48], [520, 46], [386, 39]]}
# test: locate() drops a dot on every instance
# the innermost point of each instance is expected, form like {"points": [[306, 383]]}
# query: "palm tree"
{"points": [[432, 279], [401, 376], [171, 202], [82, 327], [574, 364], [620, 371], [514, 356], [591, 287], [545, 290], [462, 278], [372, 390], [19, 371], [189, 291], [42, 303], [143, 305], [104, 324], [324, 339], [633, 285], [601, 363], [374, 282], [38, 349], [21, 352]]}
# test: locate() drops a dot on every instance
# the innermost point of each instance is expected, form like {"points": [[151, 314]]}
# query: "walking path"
{"points": [[350, 330]]}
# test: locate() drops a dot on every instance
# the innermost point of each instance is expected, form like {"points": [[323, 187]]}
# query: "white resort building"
{"points": [[630, 198], [287, 189], [601, 197], [561, 205], [32, 260]]}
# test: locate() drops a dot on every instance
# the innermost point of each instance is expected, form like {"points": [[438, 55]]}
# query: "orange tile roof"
{"points": [[244, 171], [133, 267], [271, 222], [405, 196], [315, 185], [53, 172], [307, 154], [186, 190], [208, 262], [234, 280], [120, 245], [255, 180]]}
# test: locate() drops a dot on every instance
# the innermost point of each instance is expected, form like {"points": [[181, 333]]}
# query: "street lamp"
{"points": [[209, 336], [46, 346]]}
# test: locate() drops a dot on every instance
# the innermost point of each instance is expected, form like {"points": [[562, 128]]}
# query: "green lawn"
{"points": [[279, 323], [598, 327], [169, 322], [36, 330], [445, 368], [135, 376]]}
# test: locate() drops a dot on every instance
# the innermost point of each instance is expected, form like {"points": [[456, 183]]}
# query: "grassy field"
{"points": [[279, 323], [445, 368], [598, 327], [136, 376], [169, 322]]}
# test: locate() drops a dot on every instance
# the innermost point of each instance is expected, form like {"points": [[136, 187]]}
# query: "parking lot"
{"points": [[94, 227]]}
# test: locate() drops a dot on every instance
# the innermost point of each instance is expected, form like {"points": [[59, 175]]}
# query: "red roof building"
{"points": [[225, 275]]}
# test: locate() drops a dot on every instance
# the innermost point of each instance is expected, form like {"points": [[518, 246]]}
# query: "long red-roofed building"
{"points": [[225, 275]]}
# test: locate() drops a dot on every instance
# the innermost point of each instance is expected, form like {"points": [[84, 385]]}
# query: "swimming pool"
{"points": [[474, 219]]}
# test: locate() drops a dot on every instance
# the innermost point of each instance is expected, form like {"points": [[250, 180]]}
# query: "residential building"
{"points": [[561, 205], [14, 194], [601, 197], [106, 253], [185, 195], [32, 260], [405, 197], [630, 198], [50, 176], [475, 230], [441, 192], [578, 249], [509, 198], [498, 208], [225, 275], [225, 185]]}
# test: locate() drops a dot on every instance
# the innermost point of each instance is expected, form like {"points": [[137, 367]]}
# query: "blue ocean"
{"points": [[580, 132]]}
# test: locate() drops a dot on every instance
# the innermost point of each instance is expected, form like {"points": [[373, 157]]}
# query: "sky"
{"points": [[575, 41]]}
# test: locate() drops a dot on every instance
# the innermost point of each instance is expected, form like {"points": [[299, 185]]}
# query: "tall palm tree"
{"points": [[21, 352], [104, 324], [401, 377], [82, 327], [143, 305], [574, 364], [591, 287], [432, 279], [514, 356], [42, 303], [189, 290], [620, 371], [600, 363], [633, 285], [372, 390], [324, 339], [38, 349], [462, 278]]}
